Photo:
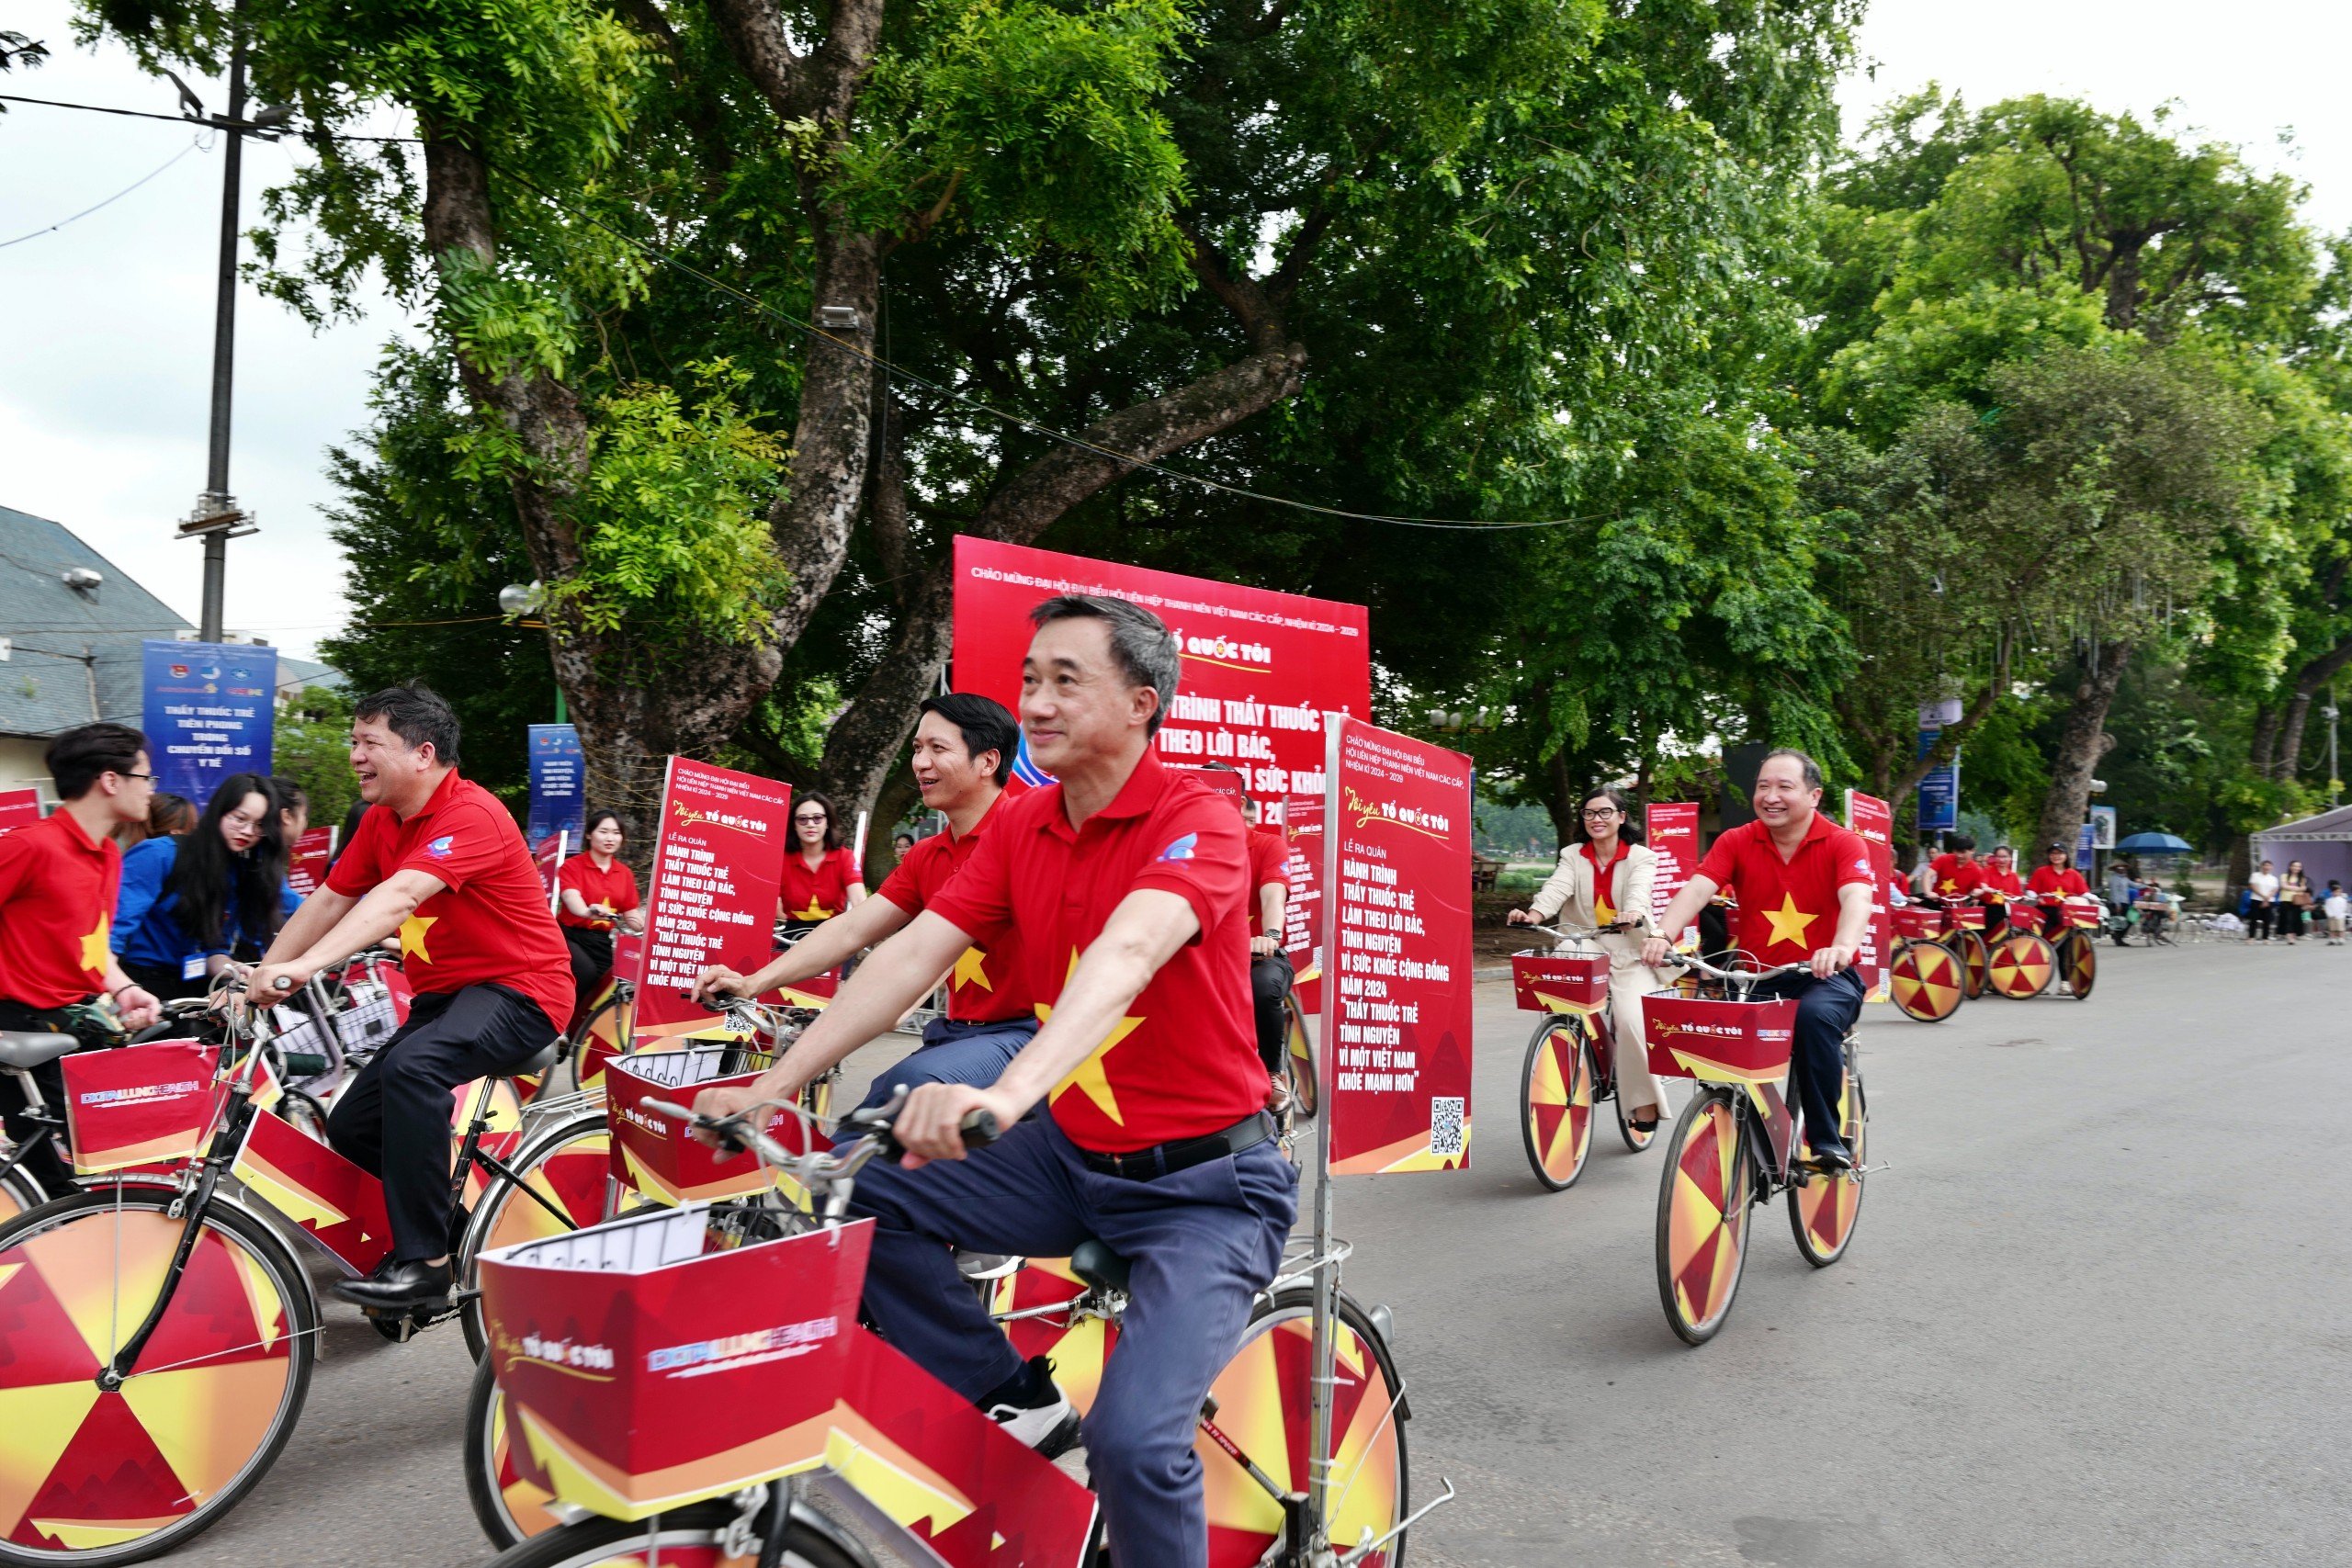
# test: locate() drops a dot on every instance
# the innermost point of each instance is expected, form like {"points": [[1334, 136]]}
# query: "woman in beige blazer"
{"points": [[1607, 857]]}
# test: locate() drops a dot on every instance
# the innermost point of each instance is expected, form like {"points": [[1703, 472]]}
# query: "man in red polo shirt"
{"points": [[58, 882], [1804, 885], [963, 757], [441, 862], [1127, 880], [1956, 874]]}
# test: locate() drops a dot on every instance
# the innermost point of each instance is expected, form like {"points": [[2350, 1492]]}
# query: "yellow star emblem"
{"points": [[1089, 1075], [94, 949], [815, 911], [970, 970], [412, 931], [1788, 925]]}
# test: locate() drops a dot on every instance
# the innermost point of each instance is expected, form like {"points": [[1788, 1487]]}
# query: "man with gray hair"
{"points": [[1127, 882]]}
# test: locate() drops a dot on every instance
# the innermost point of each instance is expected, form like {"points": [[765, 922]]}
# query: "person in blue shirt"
{"points": [[186, 901]]}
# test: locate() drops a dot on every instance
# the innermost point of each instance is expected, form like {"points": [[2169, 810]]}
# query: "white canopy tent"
{"points": [[2323, 843]]}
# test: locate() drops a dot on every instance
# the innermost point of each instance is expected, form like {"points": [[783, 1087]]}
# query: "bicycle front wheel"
{"points": [[686, 1539], [1703, 1205], [1976, 963], [1555, 1102], [89, 1475], [2079, 962], [1262, 1404], [2023, 964], [564, 1179], [1926, 981]]}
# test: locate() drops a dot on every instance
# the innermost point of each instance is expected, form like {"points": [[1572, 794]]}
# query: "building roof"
{"points": [[74, 654]]}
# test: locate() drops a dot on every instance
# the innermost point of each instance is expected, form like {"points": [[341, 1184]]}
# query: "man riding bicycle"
{"points": [[58, 882], [1127, 881], [441, 862], [963, 758], [1804, 890]]}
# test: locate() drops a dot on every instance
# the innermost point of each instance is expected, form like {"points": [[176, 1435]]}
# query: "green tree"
{"points": [[311, 747]]}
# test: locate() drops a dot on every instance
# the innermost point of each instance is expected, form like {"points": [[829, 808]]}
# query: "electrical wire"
{"points": [[110, 201]]}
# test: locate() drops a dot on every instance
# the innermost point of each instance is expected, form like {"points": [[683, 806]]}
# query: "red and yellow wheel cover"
{"points": [[1978, 957], [82, 1469], [1708, 1223], [572, 1177], [1262, 1399], [1077, 1347], [1926, 981], [1559, 1103], [2081, 963], [2022, 966], [1829, 1204], [525, 1503]]}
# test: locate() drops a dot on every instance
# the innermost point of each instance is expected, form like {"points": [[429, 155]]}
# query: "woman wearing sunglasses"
{"points": [[819, 874]]}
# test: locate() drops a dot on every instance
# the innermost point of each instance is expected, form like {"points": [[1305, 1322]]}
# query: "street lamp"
{"points": [[521, 599]]}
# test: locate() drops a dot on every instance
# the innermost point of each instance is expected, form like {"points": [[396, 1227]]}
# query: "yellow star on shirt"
{"points": [[1788, 925], [94, 949], [815, 911], [969, 970], [1089, 1075], [412, 931]]}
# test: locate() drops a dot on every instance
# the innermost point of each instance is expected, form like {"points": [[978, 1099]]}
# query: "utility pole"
{"points": [[216, 518], [2335, 777]]}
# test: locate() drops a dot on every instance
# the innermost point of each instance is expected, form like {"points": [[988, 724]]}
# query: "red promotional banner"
{"points": [[1397, 1026], [306, 863], [717, 865], [1302, 913], [19, 808], [549, 857], [333, 1201], [1671, 830], [1260, 668], [1874, 819]]}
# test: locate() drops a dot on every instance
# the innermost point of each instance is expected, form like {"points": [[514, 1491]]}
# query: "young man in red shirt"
{"points": [[1804, 885], [1956, 874], [58, 883], [1127, 880], [963, 757], [440, 862]]}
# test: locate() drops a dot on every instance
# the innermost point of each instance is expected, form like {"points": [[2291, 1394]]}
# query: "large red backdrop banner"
{"points": [[1396, 1023]]}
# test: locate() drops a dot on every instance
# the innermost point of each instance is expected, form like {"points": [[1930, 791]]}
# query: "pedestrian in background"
{"points": [[2294, 900], [2262, 901], [185, 902], [2336, 908]]}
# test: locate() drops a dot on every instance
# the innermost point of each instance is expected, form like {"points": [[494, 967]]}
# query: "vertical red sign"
{"points": [[549, 855], [1874, 819], [1303, 915], [1671, 829], [718, 862], [306, 865], [1397, 1024], [19, 808]]}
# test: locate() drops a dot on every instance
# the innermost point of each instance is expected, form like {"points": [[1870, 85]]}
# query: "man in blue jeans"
{"points": [[963, 757], [1804, 885], [1127, 881]]}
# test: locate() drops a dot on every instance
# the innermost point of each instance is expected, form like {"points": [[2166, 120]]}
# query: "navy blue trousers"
{"points": [[1202, 1241], [1825, 1011]]}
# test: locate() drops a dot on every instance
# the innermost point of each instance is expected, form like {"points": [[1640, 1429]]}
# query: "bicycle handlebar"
{"points": [[1579, 933], [1743, 977]]}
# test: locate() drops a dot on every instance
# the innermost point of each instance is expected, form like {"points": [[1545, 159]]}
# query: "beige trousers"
{"points": [[1629, 980]]}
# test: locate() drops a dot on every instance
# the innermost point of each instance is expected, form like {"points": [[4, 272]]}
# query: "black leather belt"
{"points": [[1162, 1159]]}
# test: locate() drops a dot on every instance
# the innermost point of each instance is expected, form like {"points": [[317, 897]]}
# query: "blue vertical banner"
{"points": [[1939, 791], [559, 797], [211, 710]]}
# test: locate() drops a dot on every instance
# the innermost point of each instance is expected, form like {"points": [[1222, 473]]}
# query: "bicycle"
{"points": [[1740, 1142], [858, 1421], [1571, 1061], [162, 1333], [2027, 962]]}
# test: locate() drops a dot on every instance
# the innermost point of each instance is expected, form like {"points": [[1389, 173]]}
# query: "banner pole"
{"points": [[1322, 1357]]}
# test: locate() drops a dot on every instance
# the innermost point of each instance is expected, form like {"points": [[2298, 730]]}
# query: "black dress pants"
{"points": [[591, 960], [1827, 1009], [1270, 975], [393, 1119]]}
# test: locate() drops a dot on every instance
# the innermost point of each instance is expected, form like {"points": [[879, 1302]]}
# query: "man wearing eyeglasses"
{"points": [[58, 882]]}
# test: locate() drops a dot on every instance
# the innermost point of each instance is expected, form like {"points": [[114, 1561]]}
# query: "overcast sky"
{"points": [[106, 343]]}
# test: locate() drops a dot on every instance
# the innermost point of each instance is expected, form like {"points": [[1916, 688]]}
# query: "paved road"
{"points": [[2094, 1315]]}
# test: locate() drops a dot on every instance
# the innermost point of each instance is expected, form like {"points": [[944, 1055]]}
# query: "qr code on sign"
{"points": [[1445, 1124]]}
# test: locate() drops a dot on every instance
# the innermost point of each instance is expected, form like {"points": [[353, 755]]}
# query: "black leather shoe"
{"points": [[1832, 1156], [400, 1285]]}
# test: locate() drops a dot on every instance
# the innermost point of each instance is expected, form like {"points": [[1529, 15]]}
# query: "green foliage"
{"points": [[311, 747]]}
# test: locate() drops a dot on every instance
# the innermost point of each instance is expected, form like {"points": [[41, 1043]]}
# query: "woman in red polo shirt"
{"points": [[2000, 888], [819, 876], [596, 894]]}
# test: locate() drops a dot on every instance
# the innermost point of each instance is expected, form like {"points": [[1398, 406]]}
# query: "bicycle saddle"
{"points": [[23, 1051], [541, 1060], [1095, 1263]]}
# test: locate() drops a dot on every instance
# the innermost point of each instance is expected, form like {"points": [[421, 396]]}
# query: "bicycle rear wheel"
{"points": [[18, 1191], [1702, 1206], [1976, 963], [89, 1475], [1298, 1057], [1823, 1209], [1555, 1101], [2079, 962], [688, 1537], [567, 1167], [1926, 981]]}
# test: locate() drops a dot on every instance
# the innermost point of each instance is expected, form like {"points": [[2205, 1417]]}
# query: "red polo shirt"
{"points": [[2051, 883], [987, 985], [489, 925], [1952, 879], [819, 895], [1788, 909], [616, 889], [2004, 883], [1269, 867], [1184, 1063], [57, 897]]}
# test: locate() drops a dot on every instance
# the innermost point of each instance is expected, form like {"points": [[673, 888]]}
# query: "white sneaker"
{"points": [[1051, 1427]]}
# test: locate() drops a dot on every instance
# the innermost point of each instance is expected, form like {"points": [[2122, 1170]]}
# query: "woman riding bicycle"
{"points": [[2000, 888], [1604, 878], [596, 895], [820, 876], [2056, 879]]}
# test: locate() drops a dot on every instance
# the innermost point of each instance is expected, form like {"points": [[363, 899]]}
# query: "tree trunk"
{"points": [[2082, 741], [2262, 751]]}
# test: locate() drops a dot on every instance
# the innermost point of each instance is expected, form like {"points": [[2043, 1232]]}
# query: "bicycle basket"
{"points": [[1559, 982], [1716, 1041], [2087, 917], [642, 1372], [141, 1105], [1918, 924], [653, 1152], [1967, 916]]}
